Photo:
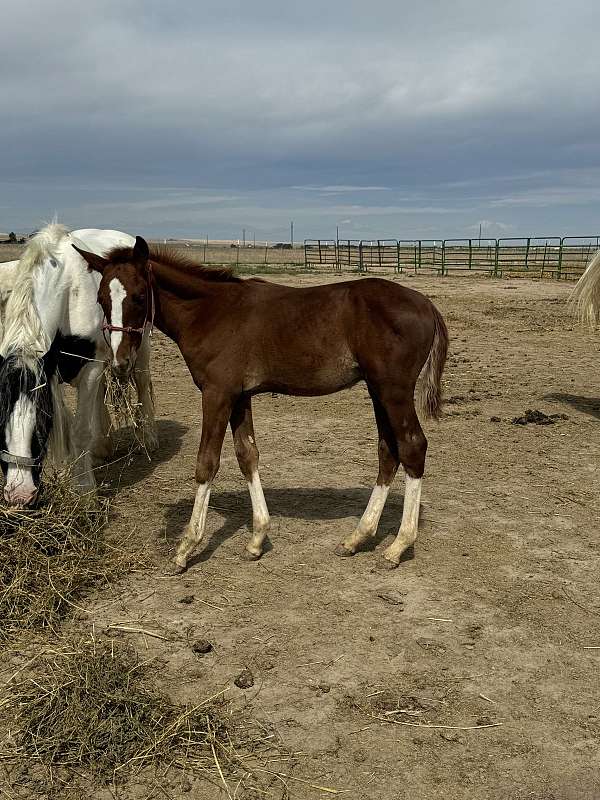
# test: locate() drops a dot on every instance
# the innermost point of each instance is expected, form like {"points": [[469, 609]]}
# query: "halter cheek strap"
{"points": [[148, 319], [18, 461]]}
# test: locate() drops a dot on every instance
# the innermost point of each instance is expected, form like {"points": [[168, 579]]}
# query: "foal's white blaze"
{"points": [[19, 430], [117, 295]]}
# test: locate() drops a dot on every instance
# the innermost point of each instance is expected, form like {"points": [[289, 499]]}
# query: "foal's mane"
{"points": [[170, 257]]}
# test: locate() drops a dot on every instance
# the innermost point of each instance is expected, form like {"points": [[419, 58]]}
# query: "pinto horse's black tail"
{"points": [[431, 375]]}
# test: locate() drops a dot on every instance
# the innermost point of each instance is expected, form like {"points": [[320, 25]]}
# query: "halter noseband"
{"points": [[148, 319], [18, 461]]}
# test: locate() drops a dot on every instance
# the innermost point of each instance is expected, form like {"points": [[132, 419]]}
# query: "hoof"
{"points": [[176, 569], [246, 555], [343, 551], [385, 563]]}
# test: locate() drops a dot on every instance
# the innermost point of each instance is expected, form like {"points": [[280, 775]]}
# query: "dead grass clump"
{"points": [[88, 707], [51, 554]]}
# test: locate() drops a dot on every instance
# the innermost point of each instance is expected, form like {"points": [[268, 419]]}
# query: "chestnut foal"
{"points": [[244, 337]]}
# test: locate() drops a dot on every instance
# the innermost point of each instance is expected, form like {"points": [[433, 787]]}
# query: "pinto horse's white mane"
{"points": [[23, 334], [23, 330]]}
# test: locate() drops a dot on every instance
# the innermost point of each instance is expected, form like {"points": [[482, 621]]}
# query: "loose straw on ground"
{"points": [[51, 555], [89, 708]]}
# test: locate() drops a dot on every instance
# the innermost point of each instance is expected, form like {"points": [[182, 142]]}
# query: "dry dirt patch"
{"points": [[495, 616]]}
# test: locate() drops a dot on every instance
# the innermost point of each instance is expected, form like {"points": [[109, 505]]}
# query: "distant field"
{"points": [[9, 252], [248, 257], [243, 256]]}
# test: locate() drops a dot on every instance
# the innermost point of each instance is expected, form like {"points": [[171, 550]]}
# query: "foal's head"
{"points": [[125, 294]]}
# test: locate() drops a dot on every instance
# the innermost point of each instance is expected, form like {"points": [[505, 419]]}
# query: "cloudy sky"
{"points": [[386, 118]]}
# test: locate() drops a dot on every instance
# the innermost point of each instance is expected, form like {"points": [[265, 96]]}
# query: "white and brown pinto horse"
{"points": [[52, 332], [585, 297], [245, 337]]}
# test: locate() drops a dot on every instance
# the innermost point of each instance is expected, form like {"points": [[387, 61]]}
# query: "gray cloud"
{"points": [[178, 117]]}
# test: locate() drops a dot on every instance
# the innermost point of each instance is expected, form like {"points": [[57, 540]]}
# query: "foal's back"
{"points": [[318, 339]]}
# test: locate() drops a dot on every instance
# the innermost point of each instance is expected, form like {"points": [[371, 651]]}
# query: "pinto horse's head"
{"points": [[26, 420], [125, 294]]}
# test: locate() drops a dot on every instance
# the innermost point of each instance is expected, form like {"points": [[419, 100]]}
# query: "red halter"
{"points": [[148, 319]]}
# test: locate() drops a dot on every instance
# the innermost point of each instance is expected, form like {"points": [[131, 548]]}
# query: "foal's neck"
{"points": [[179, 286]]}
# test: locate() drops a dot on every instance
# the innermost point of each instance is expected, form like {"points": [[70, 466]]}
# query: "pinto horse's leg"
{"points": [[412, 448], [247, 456], [102, 446], [216, 410], [388, 466], [143, 385], [88, 387]]}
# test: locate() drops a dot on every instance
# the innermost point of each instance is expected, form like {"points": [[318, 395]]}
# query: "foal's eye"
{"points": [[138, 299]]}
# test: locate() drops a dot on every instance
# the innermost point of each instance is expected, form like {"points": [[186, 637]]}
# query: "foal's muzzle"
{"points": [[123, 369]]}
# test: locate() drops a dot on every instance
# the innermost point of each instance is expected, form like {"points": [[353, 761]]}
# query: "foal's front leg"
{"points": [[216, 410], [246, 451], [143, 385]]}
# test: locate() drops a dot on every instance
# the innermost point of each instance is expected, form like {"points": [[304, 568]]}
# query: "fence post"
{"points": [[527, 254], [560, 257], [470, 254], [443, 256]]}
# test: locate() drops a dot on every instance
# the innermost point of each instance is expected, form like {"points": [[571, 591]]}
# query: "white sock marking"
{"points": [[260, 512], [370, 519], [412, 503]]}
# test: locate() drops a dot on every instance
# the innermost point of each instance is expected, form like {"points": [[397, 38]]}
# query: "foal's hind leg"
{"points": [[388, 465], [412, 448], [247, 456]]}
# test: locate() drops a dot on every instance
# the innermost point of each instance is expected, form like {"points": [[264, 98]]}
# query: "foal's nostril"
{"points": [[122, 370]]}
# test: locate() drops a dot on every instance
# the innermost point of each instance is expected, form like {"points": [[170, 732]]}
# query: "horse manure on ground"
{"points": [[536, 417], [86, 712]]}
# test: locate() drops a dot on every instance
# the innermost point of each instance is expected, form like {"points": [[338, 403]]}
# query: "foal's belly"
{"points": [[311, 377]]}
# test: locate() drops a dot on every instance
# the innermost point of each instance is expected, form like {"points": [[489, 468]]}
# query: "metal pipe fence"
{"points": [[540, 256]]}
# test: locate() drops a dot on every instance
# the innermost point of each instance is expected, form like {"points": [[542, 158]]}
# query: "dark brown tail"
{"points": [[431, 375]]}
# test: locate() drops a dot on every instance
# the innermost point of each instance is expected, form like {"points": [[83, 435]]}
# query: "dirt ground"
{"points": [[382, 682]]}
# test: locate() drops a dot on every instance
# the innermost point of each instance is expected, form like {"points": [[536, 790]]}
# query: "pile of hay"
{"points": [[51, 555], [87, 710]]}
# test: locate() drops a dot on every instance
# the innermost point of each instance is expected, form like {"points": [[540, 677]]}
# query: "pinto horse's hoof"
{"points": [[342, 551], [246, 555]]}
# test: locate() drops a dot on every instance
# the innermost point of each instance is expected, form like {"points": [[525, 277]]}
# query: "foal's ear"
{"points": [[93, 261], [141, 252]]}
